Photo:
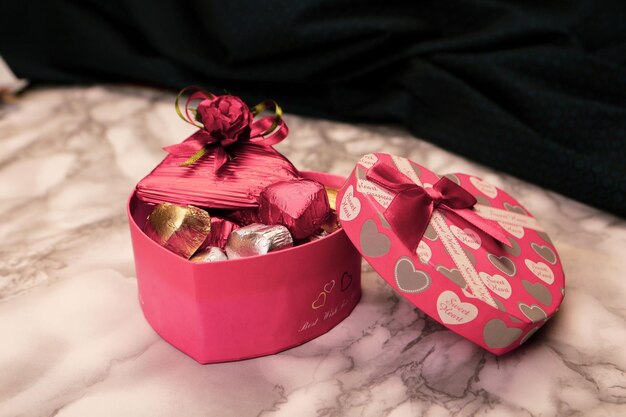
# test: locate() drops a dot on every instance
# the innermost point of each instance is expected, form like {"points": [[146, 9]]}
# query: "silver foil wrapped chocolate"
{"points": [[257, 239], [210, 254]]}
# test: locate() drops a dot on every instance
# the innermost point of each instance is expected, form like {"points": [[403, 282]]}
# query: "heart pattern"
{"points": [[538, 291], [430, 233], [544, 236], [320, 301], [350, 206], [346, 280], [514, 249], [505, 303], [368, 160], [453, 311], [484, 187], [514, 209], [541, 271], [423, 252], [329, 286], [373, 243], [515, 230], [453, 275], [466, 236], [527, 336], [545, 252], [383, 222], [409, 279], [470, 256], [533, 312], [482, 200], [453, 178], [497, 284], [497, 334], [503, 263]]}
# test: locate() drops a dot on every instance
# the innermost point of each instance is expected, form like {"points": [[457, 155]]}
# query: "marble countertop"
{"points": [[75, 342]]}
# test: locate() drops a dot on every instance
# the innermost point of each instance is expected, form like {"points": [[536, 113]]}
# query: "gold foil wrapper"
{"points": [[332, 197], [180, 229], [257, 239]]}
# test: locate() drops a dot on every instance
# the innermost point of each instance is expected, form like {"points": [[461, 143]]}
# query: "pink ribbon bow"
{"points": [[225, 121], [412, 207]]}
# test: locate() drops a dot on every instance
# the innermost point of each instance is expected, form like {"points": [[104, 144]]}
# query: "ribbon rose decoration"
{"points": [[224, 121]]}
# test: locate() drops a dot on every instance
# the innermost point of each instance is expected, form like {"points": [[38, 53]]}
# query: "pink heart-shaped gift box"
{"points": [[493, 294], [243, 308]]}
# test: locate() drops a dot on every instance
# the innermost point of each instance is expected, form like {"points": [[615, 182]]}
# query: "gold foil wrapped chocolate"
{"points": [[180, 229], [331, 193], [257, 239], [210, 254]]}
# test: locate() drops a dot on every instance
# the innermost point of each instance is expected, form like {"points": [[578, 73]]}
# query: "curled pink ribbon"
{"points": [[412, 207], [225, 121]]}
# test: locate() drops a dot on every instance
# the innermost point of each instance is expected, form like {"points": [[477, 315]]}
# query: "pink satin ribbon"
{"points": [[268, 130], [412, 207]]}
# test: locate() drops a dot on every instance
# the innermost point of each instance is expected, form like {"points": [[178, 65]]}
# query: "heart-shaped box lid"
{"points": [[489, 272]]}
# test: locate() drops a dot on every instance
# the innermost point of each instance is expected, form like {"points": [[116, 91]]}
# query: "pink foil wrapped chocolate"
{"points": [[180, 229], [227, 163], [462, 250], [220, 230], [300, 205]]}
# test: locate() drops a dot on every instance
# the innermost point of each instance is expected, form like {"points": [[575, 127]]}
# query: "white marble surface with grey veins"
{"points": [[75, 343]]}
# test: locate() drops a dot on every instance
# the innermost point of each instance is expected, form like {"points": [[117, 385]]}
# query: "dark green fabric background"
{"points": [[533, 88]]}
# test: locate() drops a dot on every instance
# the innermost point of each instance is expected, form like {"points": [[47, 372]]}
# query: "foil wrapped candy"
{"points": [[257, 239], [300, 205], [180, 229]]}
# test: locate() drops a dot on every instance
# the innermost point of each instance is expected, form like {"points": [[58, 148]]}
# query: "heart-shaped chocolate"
{"points": [[497, 335], [453, 275], [503, 263], [533, 312], [409, 279], [545, 252], [237, 184], [538, 291], [373, 243]]}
